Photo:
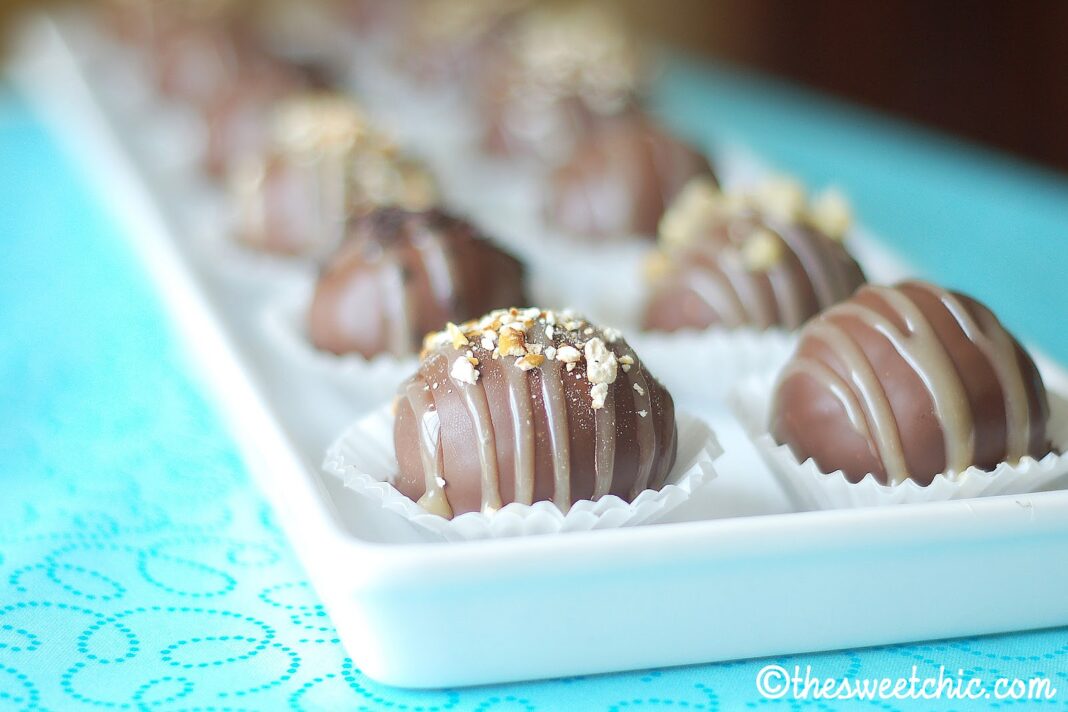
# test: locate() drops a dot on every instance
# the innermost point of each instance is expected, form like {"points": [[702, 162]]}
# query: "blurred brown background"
{"points": [[993, 71]]}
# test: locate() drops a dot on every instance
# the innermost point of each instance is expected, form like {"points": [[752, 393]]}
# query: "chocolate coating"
{"points": [[323, 164], [564, 68], [750, 269], [400, 274], [621, 179], [907, 382], [521, 426], [238, 120]]}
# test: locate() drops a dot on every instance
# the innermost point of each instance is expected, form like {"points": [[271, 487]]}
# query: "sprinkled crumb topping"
{"points": [[701, 205], [464, 371], [534, 338], [761, 250]]}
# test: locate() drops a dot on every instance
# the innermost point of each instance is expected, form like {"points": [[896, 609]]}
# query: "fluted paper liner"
{"points": [[812, 488], [284, 325], [363, 458], [707, 364]]}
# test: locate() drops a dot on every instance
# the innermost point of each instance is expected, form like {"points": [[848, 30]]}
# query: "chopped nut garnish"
{"points": [[639, 389], [643, 413], [761, 251], [611, 335], [599, 392], [570, 368], [782, 197], [512, 342], [549, 331], [695, 207], [600, 362], [530, 361], [830, 213], [550, 352], [626, 359], [464, 371], [568, 354], [456, 336]]}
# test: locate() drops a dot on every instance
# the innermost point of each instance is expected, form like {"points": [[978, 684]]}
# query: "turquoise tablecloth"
{"points": [[139, 566]]}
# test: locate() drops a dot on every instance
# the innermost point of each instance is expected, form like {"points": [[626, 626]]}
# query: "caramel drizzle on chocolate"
{"points": [[474, 397], [520, 406], [521, 412], [555, 402], [428, 425], [604, 454], [1000, 351], [397, 313], [864, 398], [733, 292]]}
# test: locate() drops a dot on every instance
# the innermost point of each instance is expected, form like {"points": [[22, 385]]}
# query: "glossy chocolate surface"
{"points": [[621, 179], [528, 406], [737, 263], [400, 274], [908, 382]]}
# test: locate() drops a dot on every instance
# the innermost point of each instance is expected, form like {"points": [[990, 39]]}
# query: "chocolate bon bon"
{"points": [[324, 163], [526, 405], [762, 258], [621, 178], [563, 68], [907, 382], [400, 274]]}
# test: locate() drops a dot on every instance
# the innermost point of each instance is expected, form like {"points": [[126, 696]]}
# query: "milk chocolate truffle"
{"points": [[763, 258], [621, 179], [453, 40], [323, 164], [526, 405], [564, 67], [400, 274], [906, 382], [202, 49]]}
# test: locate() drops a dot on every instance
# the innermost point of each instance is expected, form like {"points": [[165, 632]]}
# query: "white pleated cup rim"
{"points": [[723, 357], [363, 458], [814, 489], [283, 322]]}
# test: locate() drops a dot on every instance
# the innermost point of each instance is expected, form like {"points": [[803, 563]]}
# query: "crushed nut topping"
{"points": [[464, 371], [762, 250], [598, 393], [506, 333], [530, 361], [639, 389], [568, 354], [600, 362], [456, 336], [831, 213], [700, 206], [512, 342]]}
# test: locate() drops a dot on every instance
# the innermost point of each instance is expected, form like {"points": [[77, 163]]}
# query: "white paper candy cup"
{"points": [[707, 364], [371, 380], [363, 458], [813, 489]]}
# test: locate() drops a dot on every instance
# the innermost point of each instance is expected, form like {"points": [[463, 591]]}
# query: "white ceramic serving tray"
{"points": [[738, 574]]}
